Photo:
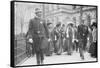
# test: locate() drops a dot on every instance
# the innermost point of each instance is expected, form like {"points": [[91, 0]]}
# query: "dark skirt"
{"points": [[49, 49], [59, 47], [66, 43], [93, 49]]}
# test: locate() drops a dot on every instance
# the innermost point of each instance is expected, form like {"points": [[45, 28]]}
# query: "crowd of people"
{"points": [[44, 39]]}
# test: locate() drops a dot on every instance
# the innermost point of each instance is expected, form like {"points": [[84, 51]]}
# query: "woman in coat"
{"points": [[93, 46], [49, 50], [70, 38], [58, 44]]}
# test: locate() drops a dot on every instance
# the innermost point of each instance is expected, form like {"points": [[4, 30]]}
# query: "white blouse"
{"points": [[94, 35]]}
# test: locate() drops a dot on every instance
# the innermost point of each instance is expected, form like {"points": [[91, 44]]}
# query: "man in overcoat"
{"points": [[39, 31], [82, 37]]}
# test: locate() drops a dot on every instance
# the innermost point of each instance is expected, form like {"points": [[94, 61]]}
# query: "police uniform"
{"points": [[39, 31]]}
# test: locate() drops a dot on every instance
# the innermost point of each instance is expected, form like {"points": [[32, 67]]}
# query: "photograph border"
{"points": [[12, 9]]}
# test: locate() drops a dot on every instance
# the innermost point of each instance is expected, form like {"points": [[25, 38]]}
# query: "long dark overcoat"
{"points": [[38, 29]]}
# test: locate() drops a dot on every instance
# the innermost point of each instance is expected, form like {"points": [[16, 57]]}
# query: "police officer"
{"points": [[39, 31], [82, 38]]}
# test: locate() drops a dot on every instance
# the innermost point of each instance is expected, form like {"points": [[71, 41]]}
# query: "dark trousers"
{"points": [[81, 48], [84, 43], [39, 52], [33, 50], [39, 57]]}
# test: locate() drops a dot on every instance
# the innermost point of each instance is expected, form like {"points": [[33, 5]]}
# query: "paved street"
{"points": [[64, 58]]}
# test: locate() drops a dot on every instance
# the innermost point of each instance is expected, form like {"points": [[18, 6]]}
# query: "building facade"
{"points": [[68, 13]]}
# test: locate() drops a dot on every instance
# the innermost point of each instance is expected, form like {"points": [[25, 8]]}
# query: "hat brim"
{"points": [[71, 24], [49, 24], [58, 25], [38, 12], [94, 25]]}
